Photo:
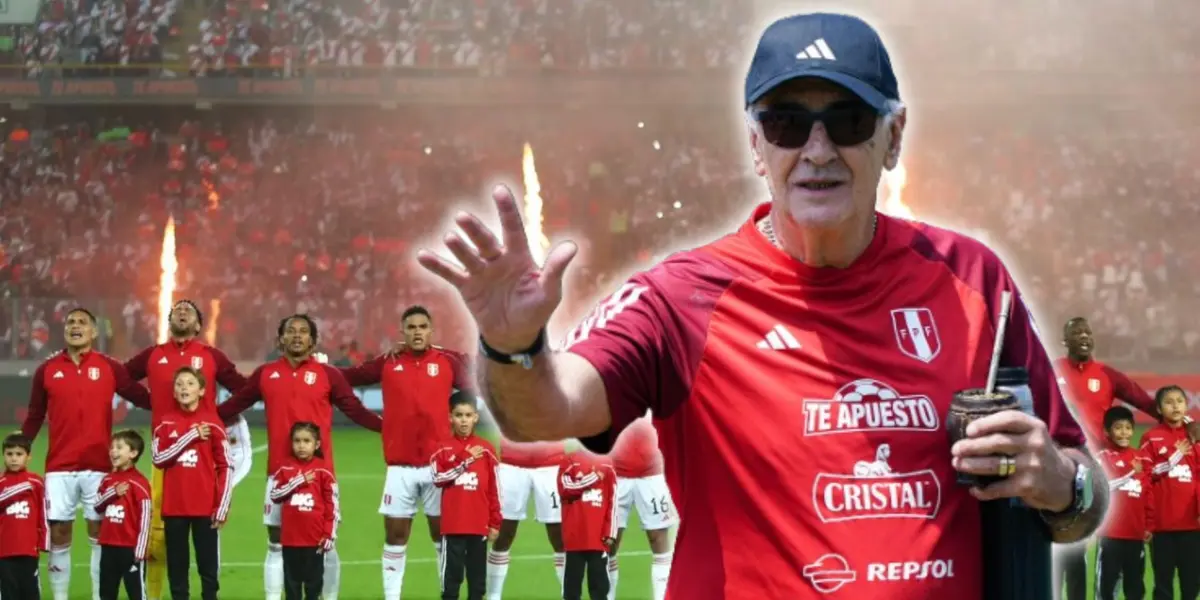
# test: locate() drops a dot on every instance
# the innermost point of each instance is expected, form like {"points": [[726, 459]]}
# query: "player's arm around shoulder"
{"points": [[245, 397], [367, 373], [342, 396], [228, 375], [127, 387]]}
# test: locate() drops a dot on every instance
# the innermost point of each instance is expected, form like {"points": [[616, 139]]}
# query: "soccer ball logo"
{"points": [[865, 390]]}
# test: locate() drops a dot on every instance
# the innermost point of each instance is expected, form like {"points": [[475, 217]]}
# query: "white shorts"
{"points": [[272, 513], [652, 499], [516, 483], [404, 487], [68, 491]]}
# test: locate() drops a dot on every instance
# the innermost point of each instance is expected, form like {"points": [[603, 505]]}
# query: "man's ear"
{"points": [[895, 125], [760, 165]]}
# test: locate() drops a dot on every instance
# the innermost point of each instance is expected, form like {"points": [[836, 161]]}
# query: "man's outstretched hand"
{"points": [[510, 296]]}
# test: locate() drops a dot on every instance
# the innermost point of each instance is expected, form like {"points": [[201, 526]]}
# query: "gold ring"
{"points": [[1008, 466]]}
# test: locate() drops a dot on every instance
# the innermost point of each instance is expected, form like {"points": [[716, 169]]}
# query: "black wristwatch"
{"points": [[1081, 501], [523, 358]]}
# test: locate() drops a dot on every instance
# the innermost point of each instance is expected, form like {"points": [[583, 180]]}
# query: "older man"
{"points": [[779, 357]]}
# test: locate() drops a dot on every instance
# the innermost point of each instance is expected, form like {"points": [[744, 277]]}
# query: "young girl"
{"points": [[308, 528], [193, 454], [1175, 540]]}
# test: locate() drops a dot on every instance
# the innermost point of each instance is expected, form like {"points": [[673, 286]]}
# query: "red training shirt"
{"points": [[310, 508], [635, 453], [306, 392], [814, 400], [196, 472], [416, 399], [470, 492], [126, 519], [588, 488], [532, 455], [78, 399], [158, 365], [1131, 512], [1176, 490], [24, 530], [1094, 387]]}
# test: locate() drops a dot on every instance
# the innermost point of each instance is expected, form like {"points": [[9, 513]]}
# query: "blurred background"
{"points": [[294, 153]]}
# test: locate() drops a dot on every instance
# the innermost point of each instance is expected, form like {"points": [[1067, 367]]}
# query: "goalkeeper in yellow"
{"points": [[157, 365]]}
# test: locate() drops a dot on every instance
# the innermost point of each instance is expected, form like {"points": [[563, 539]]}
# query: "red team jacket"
{"points": [[196, 473], [158, 365], [533, 455], [1095, 387], [126, 519], [24, 530], [416, 396], [470, 492], [589, 511], [1131, 512], [774, 386], [310, 508], [307, 392], [635, 453], [78, 399], [1176, 490]]}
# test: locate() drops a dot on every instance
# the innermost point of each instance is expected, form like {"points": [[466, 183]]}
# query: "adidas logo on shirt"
{"points": [[817, 50], [779, 338]]}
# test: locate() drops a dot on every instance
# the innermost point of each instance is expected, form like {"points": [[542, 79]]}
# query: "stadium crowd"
{"points": [[294, 37], [321, 213]]}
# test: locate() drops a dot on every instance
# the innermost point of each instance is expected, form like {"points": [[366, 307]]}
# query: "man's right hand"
{"points": [[204, 430], [476, 451], [510, 296]]}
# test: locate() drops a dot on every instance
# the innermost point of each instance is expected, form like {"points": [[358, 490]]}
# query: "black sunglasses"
{"points": [[847, 123]]}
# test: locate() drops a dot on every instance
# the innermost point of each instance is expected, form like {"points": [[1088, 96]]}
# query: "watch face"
{"points": [[1083, 488]]}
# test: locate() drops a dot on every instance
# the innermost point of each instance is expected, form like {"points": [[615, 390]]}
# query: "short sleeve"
{"points": [[647, 339]]}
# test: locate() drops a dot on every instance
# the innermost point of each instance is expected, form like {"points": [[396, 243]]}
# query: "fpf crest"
{"points": [[916, 333]]}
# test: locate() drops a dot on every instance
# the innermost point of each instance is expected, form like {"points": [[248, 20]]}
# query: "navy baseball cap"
{"points": [[839, 48]]}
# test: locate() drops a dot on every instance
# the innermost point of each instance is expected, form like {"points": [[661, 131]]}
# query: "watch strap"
{"points": [[523, 358]]}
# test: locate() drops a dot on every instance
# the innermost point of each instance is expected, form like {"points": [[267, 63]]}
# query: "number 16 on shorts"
{"points": [[651, 498]]}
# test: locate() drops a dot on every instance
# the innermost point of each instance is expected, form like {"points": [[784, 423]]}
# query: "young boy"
{"points": [[24, 531], [1122, 553], [124, 503], [1176, 535], [588, 488], [465, 469], [193, 453]]}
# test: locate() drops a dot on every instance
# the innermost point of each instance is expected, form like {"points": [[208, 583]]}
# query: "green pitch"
{"points": [[360, 471]]}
